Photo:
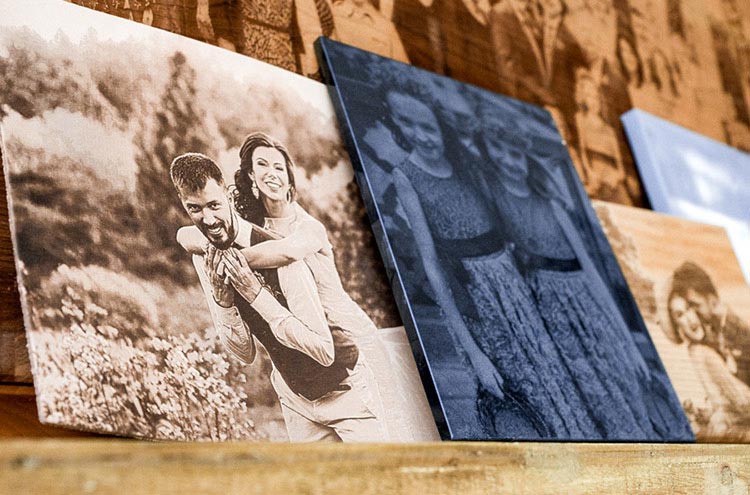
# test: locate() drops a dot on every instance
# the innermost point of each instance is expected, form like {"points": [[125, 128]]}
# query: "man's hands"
{"points": [[228, 272], [215, 269], [240, 274]]}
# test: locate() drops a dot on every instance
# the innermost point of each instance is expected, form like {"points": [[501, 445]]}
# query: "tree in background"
{"points": [[178, 128]]}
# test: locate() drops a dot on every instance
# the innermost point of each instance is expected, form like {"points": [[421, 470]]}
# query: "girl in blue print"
{"points": [[487, 305], [586, 326]]}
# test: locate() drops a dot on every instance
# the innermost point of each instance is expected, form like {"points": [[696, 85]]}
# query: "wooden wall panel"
{"points": [[14, 359], [587, 61], [19, 418]]}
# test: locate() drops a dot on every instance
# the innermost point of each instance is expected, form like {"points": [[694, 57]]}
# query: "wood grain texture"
{"points": [[651, 248], [81, 466], [14, 358], [587, 61], [19, 418]]}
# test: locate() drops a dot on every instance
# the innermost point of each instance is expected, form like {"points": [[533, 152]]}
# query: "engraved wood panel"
{"points": [[586, 61], [672, 265]]}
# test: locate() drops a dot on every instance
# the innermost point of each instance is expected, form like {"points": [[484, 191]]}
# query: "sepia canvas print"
{"points": [[696, 305], [693, 177], [193, 256], [522, 323]]}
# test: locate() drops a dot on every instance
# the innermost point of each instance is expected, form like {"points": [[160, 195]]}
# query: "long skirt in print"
{"points": [[595, 352], [513, 336]]}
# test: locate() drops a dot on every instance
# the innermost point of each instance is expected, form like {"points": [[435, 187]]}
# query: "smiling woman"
{"points": [[265, 184]]}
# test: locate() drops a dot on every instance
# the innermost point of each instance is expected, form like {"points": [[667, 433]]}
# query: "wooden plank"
{"points": [[19, 418], [14, 360], [83, 466], [705, 355]]}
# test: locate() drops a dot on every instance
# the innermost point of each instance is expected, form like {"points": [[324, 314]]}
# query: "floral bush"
{"points": [[96, 375]]}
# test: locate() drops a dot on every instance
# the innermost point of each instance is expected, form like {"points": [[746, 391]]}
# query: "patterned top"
{"points": [[276, 14], [454, 210], [267, 31], [532, 225]]}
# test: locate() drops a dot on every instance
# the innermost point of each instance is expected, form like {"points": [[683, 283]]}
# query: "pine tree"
{"points": [[178, 129]]}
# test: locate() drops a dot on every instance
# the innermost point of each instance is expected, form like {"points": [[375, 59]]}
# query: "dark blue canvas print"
{"points": [[520, 318]]}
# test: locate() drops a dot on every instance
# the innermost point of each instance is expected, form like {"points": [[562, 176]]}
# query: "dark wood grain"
{"points": [[19, 418], [14, 359], [586, 61]]}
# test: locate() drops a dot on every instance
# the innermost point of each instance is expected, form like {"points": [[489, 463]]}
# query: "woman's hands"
{"points": [[486, 371]]}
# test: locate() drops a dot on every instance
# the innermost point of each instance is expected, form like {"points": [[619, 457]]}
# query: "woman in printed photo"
{"points": [[265, 195], [727, 397], [580, 315], [487, 307]]}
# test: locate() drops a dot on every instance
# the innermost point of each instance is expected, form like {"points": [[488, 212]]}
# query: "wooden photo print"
{"points": [[696, 304], [194, 257]]}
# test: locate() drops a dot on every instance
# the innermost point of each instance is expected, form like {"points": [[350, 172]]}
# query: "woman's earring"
{"points": [[289, 195], [254, 189]]}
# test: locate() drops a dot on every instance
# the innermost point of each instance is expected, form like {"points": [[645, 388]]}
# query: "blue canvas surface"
{"points": [[520, 319], [692, 176]]}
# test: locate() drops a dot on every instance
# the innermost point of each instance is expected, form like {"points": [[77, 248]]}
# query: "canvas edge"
{"points": [[645, 161], [383, 243], [397, 284]]}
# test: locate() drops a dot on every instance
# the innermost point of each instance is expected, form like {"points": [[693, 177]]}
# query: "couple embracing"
{"points": [[268, 272]]}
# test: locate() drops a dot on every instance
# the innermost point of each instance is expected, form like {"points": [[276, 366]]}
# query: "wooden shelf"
{"points": [[35, 458], [121, 466]]}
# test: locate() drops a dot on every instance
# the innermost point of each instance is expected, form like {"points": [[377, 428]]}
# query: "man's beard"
{"points": [[223, 242]]}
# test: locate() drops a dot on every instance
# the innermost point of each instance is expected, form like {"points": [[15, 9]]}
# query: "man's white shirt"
{"points": [[302, 326]]}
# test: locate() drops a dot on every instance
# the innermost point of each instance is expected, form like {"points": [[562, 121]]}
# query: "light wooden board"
{"points": [[650, 247], [80, 466], [34, 459]]}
